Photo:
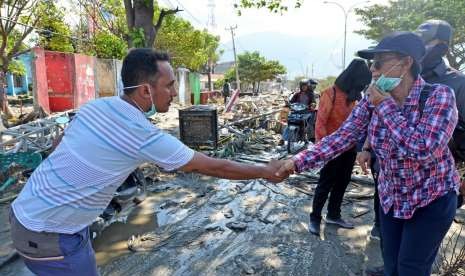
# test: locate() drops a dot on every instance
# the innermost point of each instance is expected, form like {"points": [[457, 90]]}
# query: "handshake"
{"points": [[278, 170]]}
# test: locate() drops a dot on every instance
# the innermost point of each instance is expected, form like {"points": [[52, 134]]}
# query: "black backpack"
{"points": [[424, 95]]}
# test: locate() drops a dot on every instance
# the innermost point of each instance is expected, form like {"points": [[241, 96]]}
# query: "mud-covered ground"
{"points": [[218, 227]]}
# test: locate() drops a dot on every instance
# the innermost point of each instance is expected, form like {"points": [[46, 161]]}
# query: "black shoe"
{"points": [[340, 222], [375, 271], [314, 227]]}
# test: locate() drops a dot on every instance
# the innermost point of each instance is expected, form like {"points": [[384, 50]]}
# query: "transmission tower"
{"points": [[211, 23]]}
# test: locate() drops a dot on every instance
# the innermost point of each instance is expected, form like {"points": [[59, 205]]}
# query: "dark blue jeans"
{"points": [[53, 254], [410, 245]]}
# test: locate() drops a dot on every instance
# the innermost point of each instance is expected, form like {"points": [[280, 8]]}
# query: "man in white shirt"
{"points": [[106, 141]]}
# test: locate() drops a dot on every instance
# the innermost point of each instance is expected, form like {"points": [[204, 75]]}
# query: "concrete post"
{"points": [[182, 91]]}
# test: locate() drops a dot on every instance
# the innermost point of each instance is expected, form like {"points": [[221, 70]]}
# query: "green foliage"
{"points": [[12, 38], [109, 46], [254, 68], [274, 6], [115, 20], [218, 85], [17, 67], [406, 15], [56, 36], [138, 37], [187, 46]]}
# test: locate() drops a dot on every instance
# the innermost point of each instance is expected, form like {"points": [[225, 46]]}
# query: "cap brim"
{"points": [[370, 53]]}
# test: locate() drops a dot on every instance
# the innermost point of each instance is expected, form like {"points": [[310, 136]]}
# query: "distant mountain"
{"points": [[298, 53]]}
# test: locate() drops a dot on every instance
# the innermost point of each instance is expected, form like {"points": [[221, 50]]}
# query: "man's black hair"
{"points": [[141, 65]]}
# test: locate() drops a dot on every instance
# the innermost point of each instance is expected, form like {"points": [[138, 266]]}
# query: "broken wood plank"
{"points": [[251, 118]]}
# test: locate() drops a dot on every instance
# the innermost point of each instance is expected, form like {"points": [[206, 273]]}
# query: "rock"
{"points": [[228, 213], [211, 228], [221, 200], [241, 262], [237, 226], [223, 197], [168, 204]]}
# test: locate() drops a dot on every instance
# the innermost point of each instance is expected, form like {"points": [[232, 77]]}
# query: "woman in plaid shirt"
{"points": [[418, 182]]}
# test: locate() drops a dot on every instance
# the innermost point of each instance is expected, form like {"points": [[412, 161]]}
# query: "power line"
{"points": [[191, 15], [42, 30], [168, 2]]}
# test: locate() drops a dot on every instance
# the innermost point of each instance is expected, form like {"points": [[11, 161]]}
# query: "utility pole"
{"points": [[231, 28], [346, 14]]}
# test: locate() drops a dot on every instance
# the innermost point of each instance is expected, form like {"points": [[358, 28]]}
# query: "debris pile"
{"points": [[250, 106]]}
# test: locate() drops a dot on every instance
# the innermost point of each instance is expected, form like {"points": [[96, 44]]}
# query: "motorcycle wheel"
{"points": [[292, 138]]}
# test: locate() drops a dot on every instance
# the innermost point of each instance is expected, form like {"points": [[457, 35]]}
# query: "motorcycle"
{"points": [[131, 193], [300, 127]]}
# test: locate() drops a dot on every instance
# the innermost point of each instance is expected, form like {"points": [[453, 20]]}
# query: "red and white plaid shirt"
{"points": [[416, 166]]}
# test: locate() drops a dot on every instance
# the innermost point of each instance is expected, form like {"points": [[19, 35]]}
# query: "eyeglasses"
{"points": [[378, 63]]}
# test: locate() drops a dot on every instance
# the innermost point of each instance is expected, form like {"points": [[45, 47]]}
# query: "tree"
{"points": [[272, 5], [183, 42], [140, 28], [254, 68], [55, 35], [406, 15], [187, 46], [140, 22], [211, 49], [107, 45], [19, 18], [17, 67]]}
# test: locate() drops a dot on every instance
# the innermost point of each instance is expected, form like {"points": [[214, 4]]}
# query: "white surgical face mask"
{"points": [[153, 109], [387, 84]]}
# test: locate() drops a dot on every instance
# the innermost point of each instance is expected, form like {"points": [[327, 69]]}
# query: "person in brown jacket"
{"points": [[336, 103]]}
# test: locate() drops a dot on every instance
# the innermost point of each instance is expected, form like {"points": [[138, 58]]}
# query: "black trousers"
{"points": [[375, 171], [410, 245], [334, 178]]}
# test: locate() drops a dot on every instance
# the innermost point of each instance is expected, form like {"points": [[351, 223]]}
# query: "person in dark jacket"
{"points": [[437, 36], [336, 104]]}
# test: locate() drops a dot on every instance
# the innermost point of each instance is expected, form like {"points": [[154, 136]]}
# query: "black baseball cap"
{"points": [[405, 43], [435, 29], [312, 82]]}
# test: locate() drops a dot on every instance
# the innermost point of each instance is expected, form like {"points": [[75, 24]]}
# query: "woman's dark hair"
{"points": [[141, 65], [354, 79]]}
